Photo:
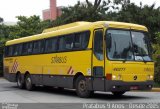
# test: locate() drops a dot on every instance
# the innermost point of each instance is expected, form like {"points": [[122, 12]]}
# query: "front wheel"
{"points": [[118, 93], [28, 82], [81, 87]]}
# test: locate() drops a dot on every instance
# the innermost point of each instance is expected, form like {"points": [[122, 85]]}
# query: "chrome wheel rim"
{"points": [[28, 82], [19, 81]]}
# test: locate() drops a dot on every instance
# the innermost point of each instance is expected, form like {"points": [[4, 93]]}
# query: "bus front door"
{"points": [[98, 80]]}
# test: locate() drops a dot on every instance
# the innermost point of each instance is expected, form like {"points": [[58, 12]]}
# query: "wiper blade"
{"points": [[142, 56]]}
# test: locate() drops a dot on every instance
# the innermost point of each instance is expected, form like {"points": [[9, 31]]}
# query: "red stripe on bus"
{"points": [[13, 66], [72, 71], [69, 70]]}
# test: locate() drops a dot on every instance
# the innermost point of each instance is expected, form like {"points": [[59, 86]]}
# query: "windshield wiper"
{"points": [[142, 56]]}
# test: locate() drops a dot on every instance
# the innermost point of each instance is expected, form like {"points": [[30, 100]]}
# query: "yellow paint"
{"points": [[80, 61]]}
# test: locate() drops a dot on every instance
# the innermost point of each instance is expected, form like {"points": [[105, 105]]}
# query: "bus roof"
{"points": [[76, 27]]}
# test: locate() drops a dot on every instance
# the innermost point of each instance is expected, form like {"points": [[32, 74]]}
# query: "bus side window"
{"points": [[6, 51], [81, 40], [14, 50], [77, 41], [61, 44], [27, 48], [37, 47], [10, 50], [51, 45], [85, 39], [42, 46], [30, 47], [69, 42], [66, 42], [24, 50]]}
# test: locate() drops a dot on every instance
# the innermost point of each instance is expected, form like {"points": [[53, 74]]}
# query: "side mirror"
{"points": [[109, 41]]}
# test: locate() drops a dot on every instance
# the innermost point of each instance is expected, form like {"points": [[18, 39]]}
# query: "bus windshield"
{"points": [[128, 45]]}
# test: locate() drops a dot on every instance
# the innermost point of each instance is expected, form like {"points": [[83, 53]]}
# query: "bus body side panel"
{"points": [[61, 68], [56, 69]]}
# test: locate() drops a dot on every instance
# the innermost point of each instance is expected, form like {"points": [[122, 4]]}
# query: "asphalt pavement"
{"points": [[9, 93]]}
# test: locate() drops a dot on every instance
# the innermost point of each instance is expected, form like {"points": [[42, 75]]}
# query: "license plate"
{"points": [[134, 87]]}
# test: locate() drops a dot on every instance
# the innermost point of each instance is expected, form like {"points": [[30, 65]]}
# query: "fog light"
{"points": [[151, 77], [113, 77], [114, 87], [150, 86]]}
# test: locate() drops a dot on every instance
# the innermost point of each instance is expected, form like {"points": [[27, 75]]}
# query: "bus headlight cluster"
{"points": [[149, 77], [119, 77], [114, 77]]}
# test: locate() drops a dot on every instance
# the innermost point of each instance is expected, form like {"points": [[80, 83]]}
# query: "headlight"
{"points": [[149, 77], [113, 77]]}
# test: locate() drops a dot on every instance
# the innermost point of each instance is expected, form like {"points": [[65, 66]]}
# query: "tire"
{"points": [[81, 87], [60, 88], [118, 94], [20, 82], [28, 83]]}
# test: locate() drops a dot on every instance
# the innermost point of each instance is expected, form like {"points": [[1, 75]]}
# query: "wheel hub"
{"points": [[82, 86]]}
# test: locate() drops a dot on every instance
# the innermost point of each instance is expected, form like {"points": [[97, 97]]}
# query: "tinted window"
{"points": [[38, 47], [120, 45], [98, 44], [141, 46], [81, 40], [10, 51], [66, 42], [6, 51], [51, 45], [17, 50], [27, 48]]}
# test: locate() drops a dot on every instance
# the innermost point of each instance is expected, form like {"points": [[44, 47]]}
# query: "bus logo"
{"points": [[135, 77]]}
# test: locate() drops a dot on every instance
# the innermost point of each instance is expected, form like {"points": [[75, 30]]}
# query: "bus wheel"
{"points": [[28, 82], [20, 83], [118, 93], [60, 88], [81, 87]]}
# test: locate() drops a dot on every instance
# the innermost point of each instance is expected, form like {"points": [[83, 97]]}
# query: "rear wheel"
{"points": [[28, 82], [60, 88], [20, 82], [81, 87], [118, 93]]}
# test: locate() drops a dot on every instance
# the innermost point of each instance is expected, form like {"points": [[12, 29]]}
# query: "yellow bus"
{"points": [[86, 56]]}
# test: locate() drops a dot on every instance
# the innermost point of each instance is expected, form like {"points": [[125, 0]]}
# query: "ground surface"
{"points": [[11, 94]]}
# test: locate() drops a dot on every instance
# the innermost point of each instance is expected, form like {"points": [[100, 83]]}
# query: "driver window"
{"points": [[98, 44]]}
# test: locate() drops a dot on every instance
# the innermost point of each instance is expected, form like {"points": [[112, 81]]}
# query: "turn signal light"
{"points": [[109, 76]]}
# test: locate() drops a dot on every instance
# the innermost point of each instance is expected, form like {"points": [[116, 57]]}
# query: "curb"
{"points": [[155, 90]]}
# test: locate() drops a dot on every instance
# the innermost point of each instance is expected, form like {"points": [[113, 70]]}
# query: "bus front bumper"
{"points": [[127, 86]]}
